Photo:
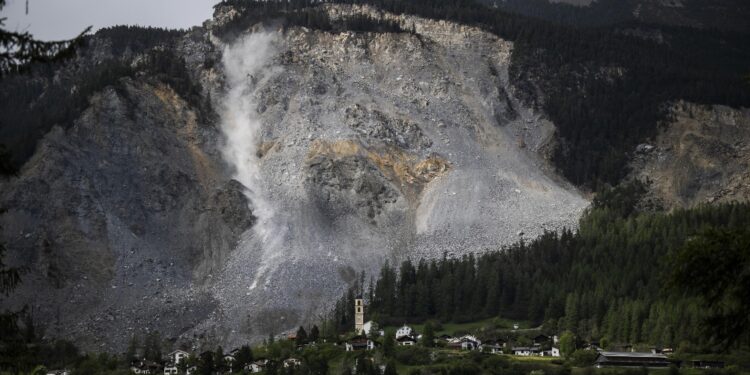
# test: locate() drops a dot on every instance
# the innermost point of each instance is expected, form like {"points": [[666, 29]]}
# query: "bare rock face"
{"points": [[375, 147], [375, 127], [120, 216], [364, 147], [701, 156]]}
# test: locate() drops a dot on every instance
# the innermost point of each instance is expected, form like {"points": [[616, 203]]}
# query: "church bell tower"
{"points": [[359, 315]]}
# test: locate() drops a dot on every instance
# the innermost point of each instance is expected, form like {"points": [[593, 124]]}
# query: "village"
{"points": [[367, 337]]}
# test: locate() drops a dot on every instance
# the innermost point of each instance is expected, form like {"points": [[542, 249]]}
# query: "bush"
{"points": [[413, 355], [464, 368], [583, 358], [495, 362]]}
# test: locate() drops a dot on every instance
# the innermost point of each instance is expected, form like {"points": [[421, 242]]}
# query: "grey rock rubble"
{"points": [[373, 147]]}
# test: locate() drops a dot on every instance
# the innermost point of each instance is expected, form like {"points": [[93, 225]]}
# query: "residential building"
{"points": [[257, 366], [171, 369], [176, 357], [359, 343], [144, 367], [404, 331]]}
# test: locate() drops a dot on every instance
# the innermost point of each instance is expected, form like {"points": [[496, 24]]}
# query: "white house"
{"points": [[229, 360], [58, 372], [292, 362], [371, 328], [257, 366], [467, 342], [171, 369], [177, 356], [555, 352], [404, 331]]}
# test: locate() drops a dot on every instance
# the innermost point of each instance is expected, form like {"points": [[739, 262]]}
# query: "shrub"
{"points": [[583, 357], [413, 355]]}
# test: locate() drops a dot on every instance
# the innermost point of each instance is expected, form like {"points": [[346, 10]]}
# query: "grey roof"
{"points": [[632, 355]]}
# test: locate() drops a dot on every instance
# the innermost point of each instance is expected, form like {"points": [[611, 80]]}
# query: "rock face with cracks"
{"points": [[356, 148]]}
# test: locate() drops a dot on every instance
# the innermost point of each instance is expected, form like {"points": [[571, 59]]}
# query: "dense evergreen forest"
{"points": [[605, 89], [609, 281]]}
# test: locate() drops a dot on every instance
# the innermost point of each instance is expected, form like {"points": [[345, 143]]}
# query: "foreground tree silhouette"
{"points": [[18, 50]]}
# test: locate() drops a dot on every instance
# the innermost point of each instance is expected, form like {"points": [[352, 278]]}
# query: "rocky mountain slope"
{"points": [[702, 155], [330, 153]]}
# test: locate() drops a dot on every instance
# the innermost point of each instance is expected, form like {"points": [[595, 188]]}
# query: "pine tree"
{"points": [[390, 369], [428, 336], [131, 354], [389, 343], [244, 356], [301, 336]]}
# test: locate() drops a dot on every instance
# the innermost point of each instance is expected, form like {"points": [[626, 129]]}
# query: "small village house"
{"points": [[466, 342], [292, 363], [229, 359], [257, 366], [359, 343], [144, 367], [171, 369], [404, 331], [406, 341], [176, 357]]}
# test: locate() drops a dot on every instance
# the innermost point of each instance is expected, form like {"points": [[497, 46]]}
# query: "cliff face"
{"points": [[329, 154]]}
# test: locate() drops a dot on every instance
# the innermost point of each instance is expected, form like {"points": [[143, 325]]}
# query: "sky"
{"points": [[63, 19]]}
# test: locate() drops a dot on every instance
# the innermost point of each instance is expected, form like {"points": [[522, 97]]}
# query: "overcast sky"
{"points": [[62, 19]]}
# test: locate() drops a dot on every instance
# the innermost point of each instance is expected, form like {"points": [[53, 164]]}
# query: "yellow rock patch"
{"points": [[405, 170]]}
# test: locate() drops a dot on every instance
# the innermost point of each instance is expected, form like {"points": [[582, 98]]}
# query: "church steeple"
{"points": [[359, 315]]}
